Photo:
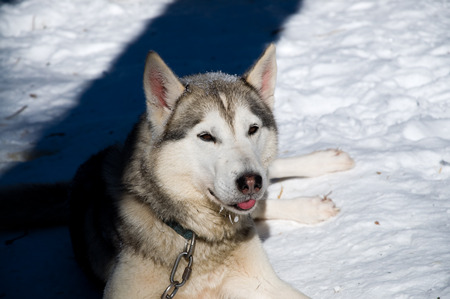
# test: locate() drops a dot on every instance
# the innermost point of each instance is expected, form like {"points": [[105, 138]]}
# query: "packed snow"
{"points": [[369, 77]]}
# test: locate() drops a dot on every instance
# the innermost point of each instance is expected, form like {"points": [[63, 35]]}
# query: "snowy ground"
{"points": [[370, 77]]}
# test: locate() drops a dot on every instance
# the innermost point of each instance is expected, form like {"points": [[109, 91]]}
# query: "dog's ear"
{"points": [[162, 90], [263, 75]]}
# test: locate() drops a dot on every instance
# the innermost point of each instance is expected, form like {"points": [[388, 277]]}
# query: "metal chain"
{"points": [[188, 255]]}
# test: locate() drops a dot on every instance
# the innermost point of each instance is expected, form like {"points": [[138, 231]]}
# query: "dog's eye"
{"points": [[253, 129], [206, 137]]}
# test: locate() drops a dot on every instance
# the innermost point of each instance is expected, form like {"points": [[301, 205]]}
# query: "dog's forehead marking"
{"points": [[216, 91], [239, 106], [223, 97], [228, 108]]}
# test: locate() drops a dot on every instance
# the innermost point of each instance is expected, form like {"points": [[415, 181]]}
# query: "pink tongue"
{"points": [[247, 205]]}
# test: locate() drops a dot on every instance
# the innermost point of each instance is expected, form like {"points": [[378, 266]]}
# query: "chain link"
{"points": [[188, 255]]}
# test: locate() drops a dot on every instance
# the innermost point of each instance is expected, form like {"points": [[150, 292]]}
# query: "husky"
{"points": [[170, 213]]}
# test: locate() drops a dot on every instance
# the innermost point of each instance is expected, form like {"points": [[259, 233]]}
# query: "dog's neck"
{"points": [[145, 232]]}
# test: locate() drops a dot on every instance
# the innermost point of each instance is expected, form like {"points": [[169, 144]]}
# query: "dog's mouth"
{"points": [[244, 206]]}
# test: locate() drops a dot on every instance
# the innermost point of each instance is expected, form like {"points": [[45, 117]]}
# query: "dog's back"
{"points": [[92, 216]]}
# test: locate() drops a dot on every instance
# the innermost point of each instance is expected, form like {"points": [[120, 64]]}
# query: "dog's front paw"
{"points": [[310, 210], [325, 208], [334, 160]]}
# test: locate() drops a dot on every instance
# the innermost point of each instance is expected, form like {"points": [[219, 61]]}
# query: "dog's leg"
{"points": [[250, 276], [311, 165], [307, 210]]}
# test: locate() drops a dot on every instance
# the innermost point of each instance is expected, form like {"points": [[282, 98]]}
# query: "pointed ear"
{"points": [[162, 89], [263, 75]]}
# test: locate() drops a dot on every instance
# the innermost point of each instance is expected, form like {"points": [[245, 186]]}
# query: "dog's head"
{"points": [[213, 134]]}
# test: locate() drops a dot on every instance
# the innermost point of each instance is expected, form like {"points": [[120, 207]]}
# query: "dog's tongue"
{"points": [[247, 205]]}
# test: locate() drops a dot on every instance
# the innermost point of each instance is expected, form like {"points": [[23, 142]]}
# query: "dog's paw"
{"points": [[325, 208], [334, 160], [310, 210]]}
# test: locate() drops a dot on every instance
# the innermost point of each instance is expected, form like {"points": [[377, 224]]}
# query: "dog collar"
{"points": [[187, 254], [185, 233]]}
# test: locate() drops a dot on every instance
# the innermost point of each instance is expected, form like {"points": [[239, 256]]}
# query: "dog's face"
{"points": [[218, 142], [214, 134]]}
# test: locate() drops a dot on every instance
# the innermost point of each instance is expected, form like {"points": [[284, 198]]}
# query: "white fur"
{"points": [[245, 273]]}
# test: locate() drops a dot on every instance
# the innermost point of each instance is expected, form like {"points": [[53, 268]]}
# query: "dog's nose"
{"points": [[249, 183]]}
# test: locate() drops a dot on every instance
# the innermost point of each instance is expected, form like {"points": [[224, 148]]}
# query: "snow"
{"points": [[369, 77]]}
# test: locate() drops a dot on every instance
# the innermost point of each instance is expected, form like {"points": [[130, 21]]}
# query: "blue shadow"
{"points": [[192, 36]]}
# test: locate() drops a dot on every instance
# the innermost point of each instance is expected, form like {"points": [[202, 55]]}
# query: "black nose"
{"points": [[249, 183]]}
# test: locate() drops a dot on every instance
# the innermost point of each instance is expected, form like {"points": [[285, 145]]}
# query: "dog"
{"points": [[170, 213]]}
